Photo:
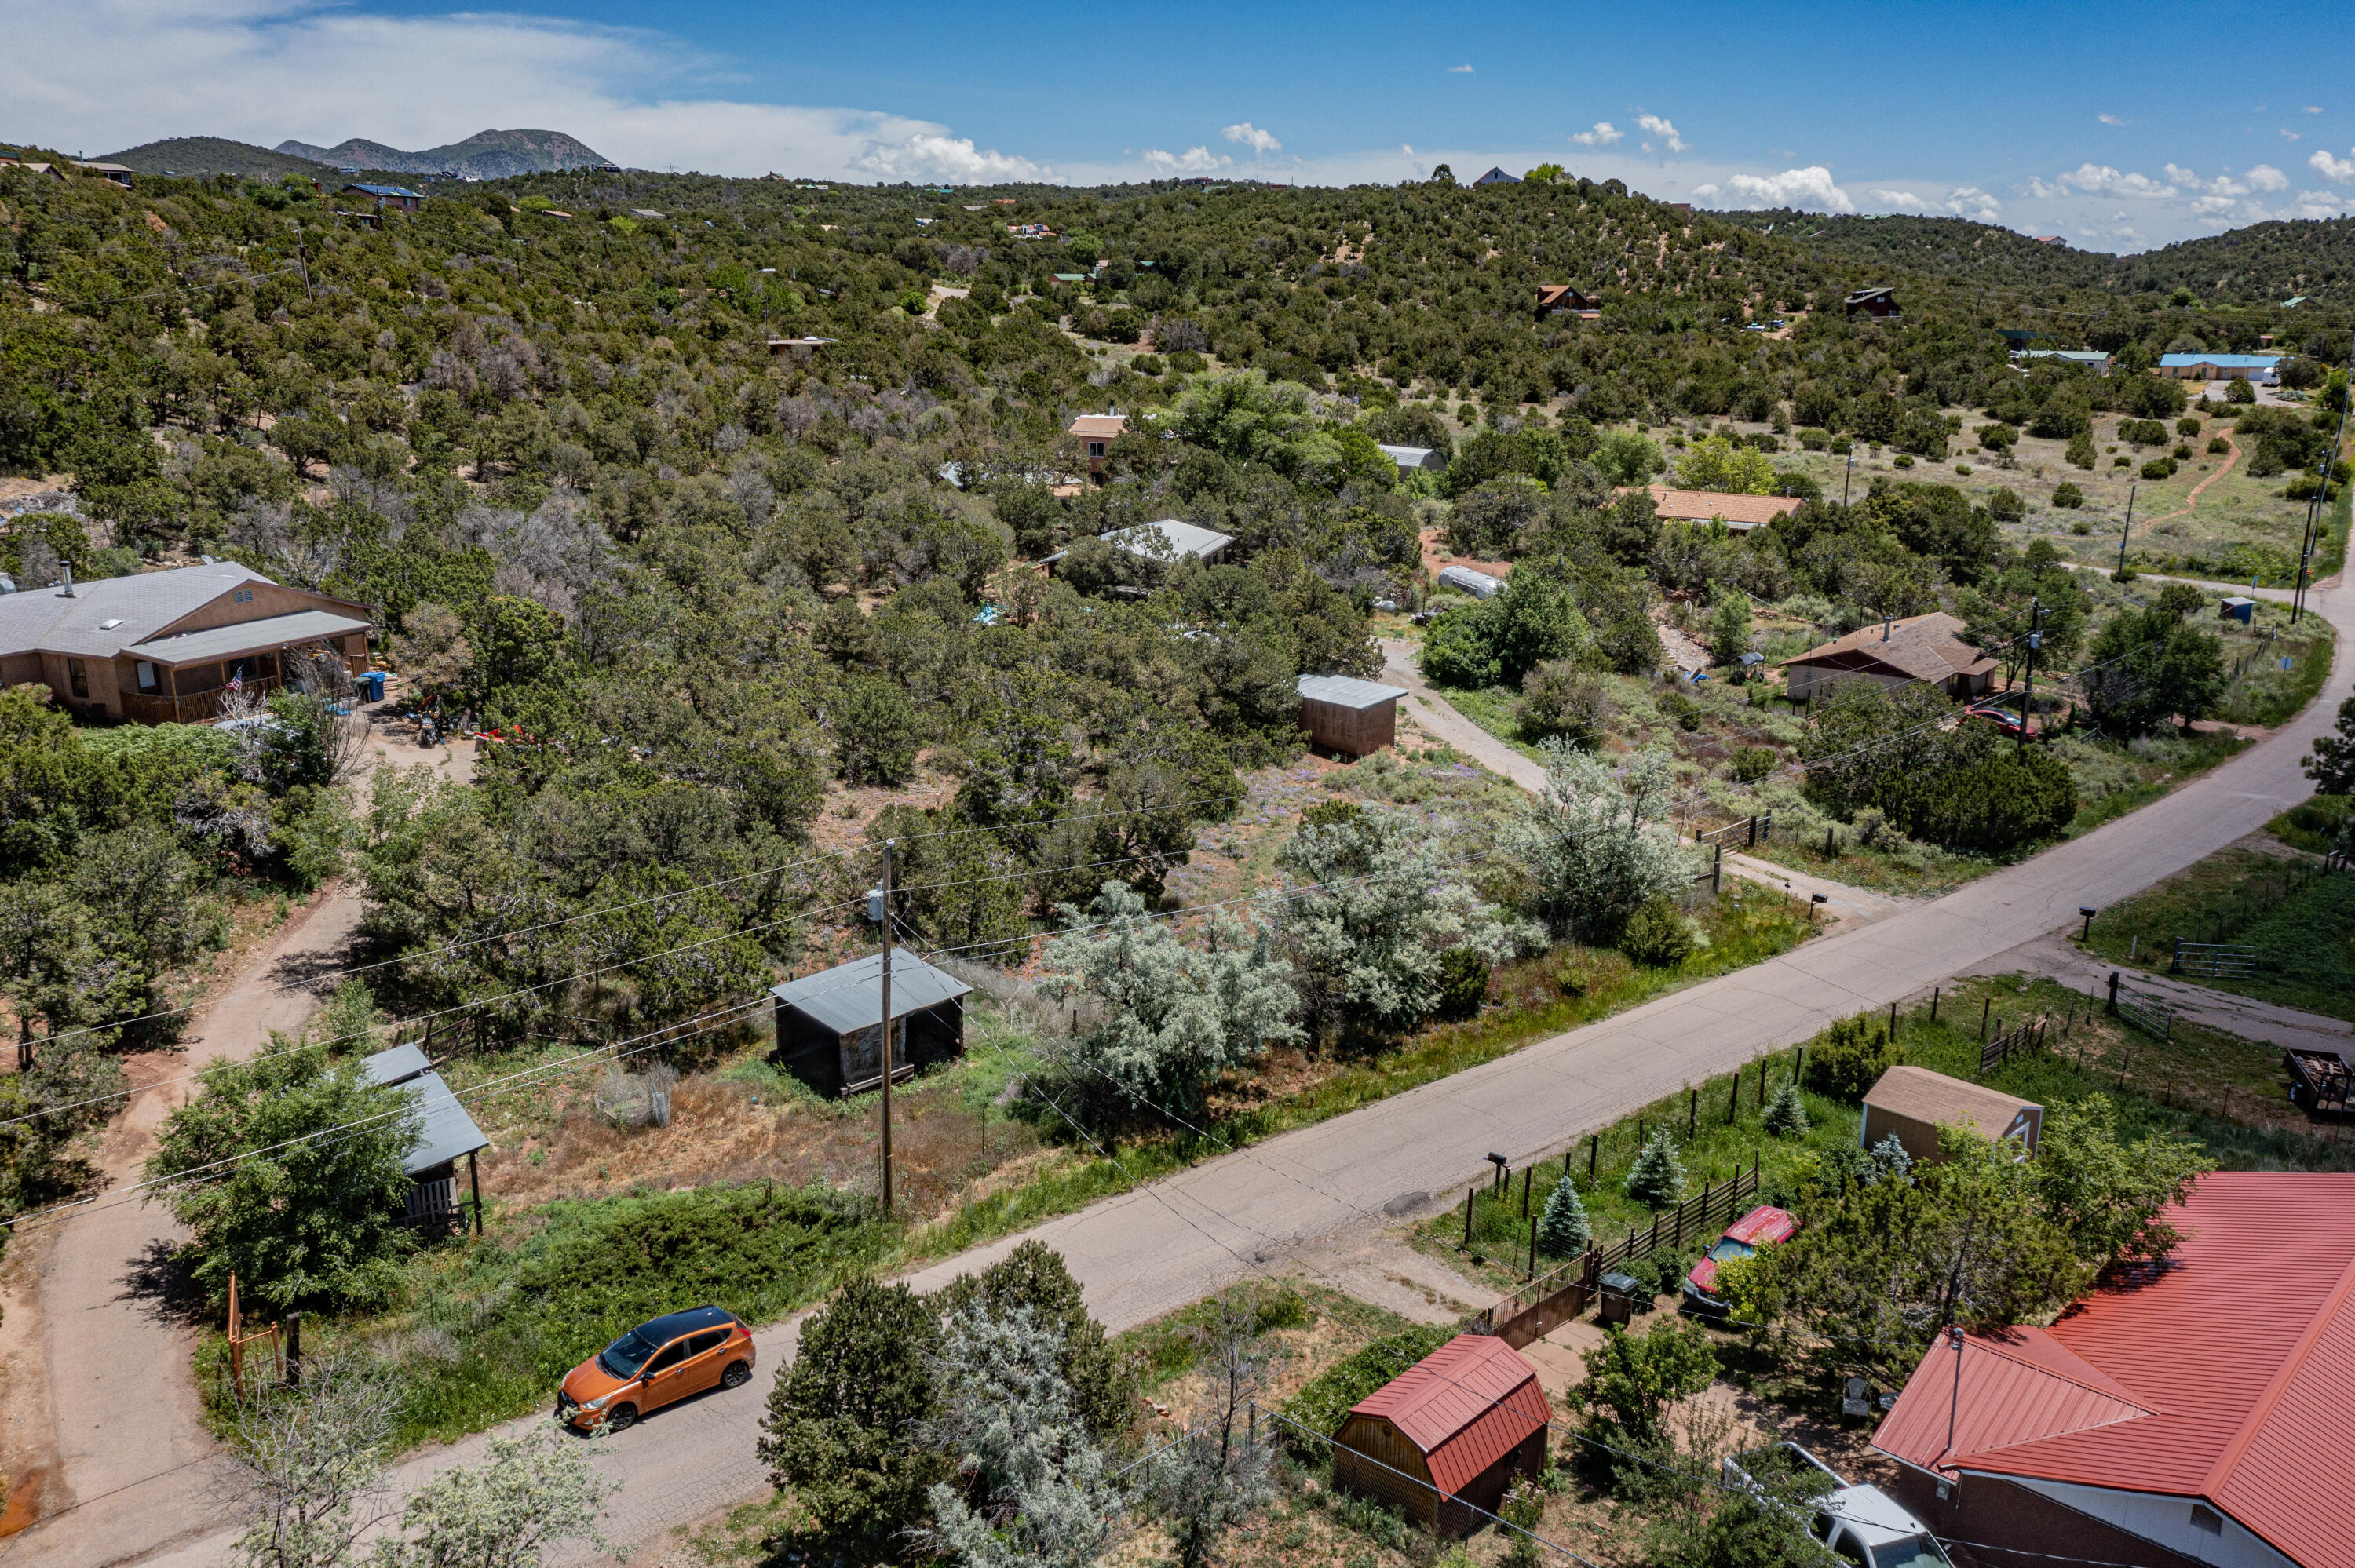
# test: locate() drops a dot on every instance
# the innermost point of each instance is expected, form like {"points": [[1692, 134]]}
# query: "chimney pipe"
{"points": [[1886, 622], [68, 572]]}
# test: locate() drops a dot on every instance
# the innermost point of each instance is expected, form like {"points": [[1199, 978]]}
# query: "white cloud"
{"points": [[1811, 187], [1661, 128], [2317, 204], [1260, 141], [1192, 161], [1970, 201], [2181, 175], [2266, 177], [1459, 70], [1601, 135], [1901, 201], [2337, 169], [2289, 136], [2099, 179], [2109, 119], [114, 73]]}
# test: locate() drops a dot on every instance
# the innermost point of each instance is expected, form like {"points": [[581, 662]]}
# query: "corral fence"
{"points": [[2028, 1035], [1544, 1304]]}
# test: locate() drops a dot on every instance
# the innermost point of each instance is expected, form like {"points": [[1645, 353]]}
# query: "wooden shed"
{"points": [[1344, 715], [1913, 1103], [445, 1135], [1447, 1436], [830, 1023]]}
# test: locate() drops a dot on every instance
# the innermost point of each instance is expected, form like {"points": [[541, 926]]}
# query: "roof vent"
{"points": [[207, 559], [68, 590], [1886, 622], [109, 625]]}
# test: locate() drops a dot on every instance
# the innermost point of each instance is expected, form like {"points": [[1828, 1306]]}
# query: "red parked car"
{"points": [[1763, 1226]]}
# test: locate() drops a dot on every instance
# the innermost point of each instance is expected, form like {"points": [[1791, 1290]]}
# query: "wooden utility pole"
{"points": [[2035, 640], [882, 913], [2128, 530]]}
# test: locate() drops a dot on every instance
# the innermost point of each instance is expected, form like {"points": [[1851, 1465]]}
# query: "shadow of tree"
{"points": [[160, 1279]]}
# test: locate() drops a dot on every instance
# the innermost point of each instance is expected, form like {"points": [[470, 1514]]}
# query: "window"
{"points": [[1095, 449], [147, 682], [77, 677], [708, 1341], [242, 595], [672, 1355], [2207, 1519]]}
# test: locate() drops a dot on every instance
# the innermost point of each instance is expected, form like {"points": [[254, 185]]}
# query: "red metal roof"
{"points": [[2225, 1375], [1466, 1405]]}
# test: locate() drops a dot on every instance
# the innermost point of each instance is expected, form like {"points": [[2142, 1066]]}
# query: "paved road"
{"points": [[1147, 1252]]}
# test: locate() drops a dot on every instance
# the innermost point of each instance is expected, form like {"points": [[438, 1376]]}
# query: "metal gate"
{"points": [[2215, 960], [2146, 1012]]}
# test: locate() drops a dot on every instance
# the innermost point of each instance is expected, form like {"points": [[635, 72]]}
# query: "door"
{"points": [[704, 1362], [663, 1378]]}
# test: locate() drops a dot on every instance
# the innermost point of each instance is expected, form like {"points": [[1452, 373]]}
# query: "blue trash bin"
{"points": [[372, 685]]}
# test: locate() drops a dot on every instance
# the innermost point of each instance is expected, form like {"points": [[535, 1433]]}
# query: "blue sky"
{"points": [[2118, 127]]}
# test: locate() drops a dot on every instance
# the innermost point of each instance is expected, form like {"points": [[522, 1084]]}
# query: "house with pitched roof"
{"points": [[1553, 296], [1895, 653], [2189, 1413], [2264, 370], [164, 647], [1097, 432], [1443, 1441], [1739, 513]]}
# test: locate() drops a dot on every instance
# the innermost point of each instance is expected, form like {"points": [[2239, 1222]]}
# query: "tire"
{"points": [[621, 1418], [738, 1374]]}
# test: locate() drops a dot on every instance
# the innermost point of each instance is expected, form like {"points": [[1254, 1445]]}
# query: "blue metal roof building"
{"points": [[2264, 369]]}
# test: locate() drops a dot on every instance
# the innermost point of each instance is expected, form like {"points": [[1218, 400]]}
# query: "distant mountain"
{"points": [[487, 154], [206, 155]]}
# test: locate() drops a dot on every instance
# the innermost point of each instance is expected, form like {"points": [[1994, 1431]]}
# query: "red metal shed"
{"points": [[1445, 1438]]}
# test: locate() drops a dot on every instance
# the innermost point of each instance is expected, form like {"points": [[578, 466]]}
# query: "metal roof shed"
{"points": [[1445, 1438], [1339, 714], [829, 1024], [1479, 585], [1170, 538], [1910, 1104], [445, 1134]]}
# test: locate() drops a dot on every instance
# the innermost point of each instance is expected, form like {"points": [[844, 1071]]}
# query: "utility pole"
{"points": [[2316, 522], [2127, 529], [879, 910], [1849, 474], [2035, 640]]}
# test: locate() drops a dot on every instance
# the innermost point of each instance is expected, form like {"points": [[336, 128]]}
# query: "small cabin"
{"points": [[830, 1023], [1443, 1441], [1358, 718], [1910, 1104], [445, 1135], [1410, 460], [1876, 301]]}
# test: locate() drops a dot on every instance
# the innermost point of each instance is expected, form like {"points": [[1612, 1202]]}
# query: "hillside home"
{"points": [[2092, 359], [1409, 459], [1097, 432], [1554, 297], [1877, 301], [119, 174], [2264, 370], [164, 647], [387, 199], [1894, 653], [1739, 513], [2190, 1411]]}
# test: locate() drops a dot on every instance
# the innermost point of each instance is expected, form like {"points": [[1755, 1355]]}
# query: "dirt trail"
{"points": [[2192, 500]]}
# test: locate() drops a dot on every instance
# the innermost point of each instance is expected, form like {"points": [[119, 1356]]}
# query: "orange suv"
{"points": [[655, 1363]]}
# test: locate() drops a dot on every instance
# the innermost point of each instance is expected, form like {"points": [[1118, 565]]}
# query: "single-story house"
{"points": [[651, 216], [800, 348], [830, 1023], [1479, 585], [1497, 176], [1553, 296], [2264, 370], [2192, 1411], [1918, 648], [1342, 713], [1739, 513], [1910, 1104], [445, 1135], [396, 198], [2092, 359], [1877, 301], [1098, 431], [1446, 1436], [1166, 540], [118, 173], [39, 171], [163, 647], [1409, 459]]}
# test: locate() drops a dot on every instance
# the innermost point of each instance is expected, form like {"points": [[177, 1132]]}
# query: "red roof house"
{"points": [[2196, 1411], [1442, 1440]]}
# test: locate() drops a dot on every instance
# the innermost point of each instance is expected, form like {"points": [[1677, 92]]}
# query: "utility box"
{"points": [[2240, 609]]}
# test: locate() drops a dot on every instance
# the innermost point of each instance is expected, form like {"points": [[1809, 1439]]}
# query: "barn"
{"points": [[1443, 1441], [829, 1024]]}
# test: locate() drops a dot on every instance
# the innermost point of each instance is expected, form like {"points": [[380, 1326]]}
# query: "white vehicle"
{"points": [[1860, 1523]]}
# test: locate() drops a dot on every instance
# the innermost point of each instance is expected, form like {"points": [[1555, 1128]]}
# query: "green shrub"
{"points": [[1458, 650], [1849, 1057], [2067, 496], [2159, 467], [2313, 825], [1657, 1178], [1323, 1404], [1560, 699], [1749, 763], [1463, 983], [1786, 1112], [2218, 446], [1658, 934]]}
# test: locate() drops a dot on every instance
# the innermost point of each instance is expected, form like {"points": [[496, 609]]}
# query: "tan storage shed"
{"points": [[1339, 714], [1912, 1103], [1441, 1442]]}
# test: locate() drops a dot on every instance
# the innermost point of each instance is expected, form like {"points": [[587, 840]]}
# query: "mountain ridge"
{"points": [[487, 154]]}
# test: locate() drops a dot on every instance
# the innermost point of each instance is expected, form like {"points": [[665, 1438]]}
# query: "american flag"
{"points": [[237, 680]]}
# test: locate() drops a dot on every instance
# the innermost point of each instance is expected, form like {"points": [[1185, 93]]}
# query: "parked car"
{"points": [[1765, 1225], [1861, 1523], [2000, 712], [655, 1363]]}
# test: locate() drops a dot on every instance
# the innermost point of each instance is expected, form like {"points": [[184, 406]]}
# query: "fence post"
{"points": [[1716, 869], [1986, 1008], [1593, 1143], [1528, 1174], [1892, 1022], [2113, 1008], [2175, 958], [1933, 1004], [1467, 1217], [1693, 1115], [1799, 1068], [1733, 1106]]}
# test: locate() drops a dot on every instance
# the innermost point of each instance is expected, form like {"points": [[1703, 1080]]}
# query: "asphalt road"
{"points": [[1151, 1250]]}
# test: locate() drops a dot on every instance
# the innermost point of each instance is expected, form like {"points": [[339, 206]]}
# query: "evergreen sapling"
{"points": [[1657, 1177], [1563, 1229], [1787, 1113]]}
